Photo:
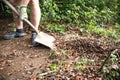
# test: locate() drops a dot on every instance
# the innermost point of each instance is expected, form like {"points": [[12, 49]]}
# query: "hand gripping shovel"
{"points": [[41, 37]]}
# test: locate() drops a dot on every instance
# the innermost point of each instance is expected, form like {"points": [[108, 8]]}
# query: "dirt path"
{"points": [[18, 57]]}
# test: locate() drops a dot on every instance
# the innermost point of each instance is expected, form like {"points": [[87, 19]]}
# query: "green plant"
{"points": [[80, 11], [54, 67], [56, 28], [83, 63], [52, 55], [8, 10], [111, 70]]}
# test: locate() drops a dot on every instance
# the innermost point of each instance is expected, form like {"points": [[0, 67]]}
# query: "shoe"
{"points": [[34, 43], [13, 35]]}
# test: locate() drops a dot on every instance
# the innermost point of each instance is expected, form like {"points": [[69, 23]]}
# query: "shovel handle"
{"points": [[29, 23], [13, 9]]}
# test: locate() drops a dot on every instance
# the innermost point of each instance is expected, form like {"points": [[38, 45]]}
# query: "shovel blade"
{"points": [[45, 39]]}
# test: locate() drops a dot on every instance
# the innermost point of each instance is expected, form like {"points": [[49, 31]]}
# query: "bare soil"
{"points": [[19, 60]]}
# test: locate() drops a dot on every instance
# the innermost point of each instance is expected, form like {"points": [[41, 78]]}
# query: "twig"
{"points": [[114, 51], [46, 73]]}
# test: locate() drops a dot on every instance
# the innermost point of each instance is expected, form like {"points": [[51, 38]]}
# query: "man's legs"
{"points": [[19, 24], [35, 16], [16, 3], [35, 13]]}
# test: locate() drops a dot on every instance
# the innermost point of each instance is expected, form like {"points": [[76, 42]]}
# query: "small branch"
{"points": [[46, 73], [108, 58]]}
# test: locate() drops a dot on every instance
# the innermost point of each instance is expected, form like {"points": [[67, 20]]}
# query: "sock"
{"points": [[20, 30], [33, 31]]}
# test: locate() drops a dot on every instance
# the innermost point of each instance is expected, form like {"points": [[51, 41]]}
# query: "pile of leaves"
{"points": [[77, 59]]}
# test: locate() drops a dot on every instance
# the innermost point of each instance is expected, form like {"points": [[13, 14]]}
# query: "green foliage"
{"points": [[54, 67], [111, 70], [83, 63], [49, 9], [117, 28], [80, 11], [110, 31], [56, 28], [7, 9], [92, 15], [52, 55]]}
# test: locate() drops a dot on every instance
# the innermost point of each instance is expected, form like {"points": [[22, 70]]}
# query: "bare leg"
{"points": [[20, 2], [35, 16], [35, 13], [18, 22]]}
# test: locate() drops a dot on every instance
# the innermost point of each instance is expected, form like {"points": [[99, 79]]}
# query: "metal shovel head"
{"points": [[45, 39]]}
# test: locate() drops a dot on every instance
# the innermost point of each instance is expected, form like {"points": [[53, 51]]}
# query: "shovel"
{"points": [[42, 38]]}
